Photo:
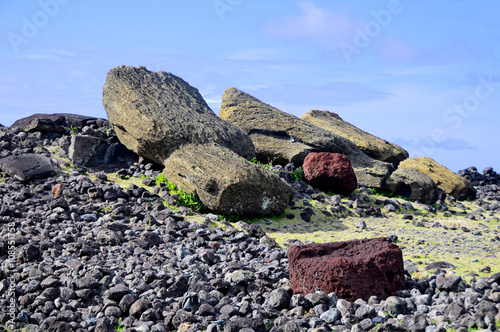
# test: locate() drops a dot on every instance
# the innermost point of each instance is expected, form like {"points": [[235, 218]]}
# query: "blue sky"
{"points": [[423, 74]]}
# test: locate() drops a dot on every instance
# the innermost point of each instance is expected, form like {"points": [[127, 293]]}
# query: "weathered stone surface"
{"points": [[67, 120], [413, 184], [87, 150], [282, 148], [241, 323], [46, 125], [395, 306], [153, 114], [449, 182], [372, 146], [330, 172], [227, 183], [447, 283], [351, 269], [27, 166], [290, 139], [118, 153]]}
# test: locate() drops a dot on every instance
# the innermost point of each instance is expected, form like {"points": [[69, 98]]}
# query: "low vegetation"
{"points": [[183, 198], [297, 174], [379, 192], [267, 166]]}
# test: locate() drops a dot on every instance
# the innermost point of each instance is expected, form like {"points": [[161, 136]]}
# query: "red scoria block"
{"points": [[330, 172], [351, 269]]}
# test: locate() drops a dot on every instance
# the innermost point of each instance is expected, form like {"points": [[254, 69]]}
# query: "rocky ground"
{"points": [[103, 249]]}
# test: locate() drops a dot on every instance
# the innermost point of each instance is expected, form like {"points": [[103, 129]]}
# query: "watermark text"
{"points": [[31, 26], [222, 7]]}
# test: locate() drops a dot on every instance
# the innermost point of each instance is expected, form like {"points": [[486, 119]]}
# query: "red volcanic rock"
{"points": [[57, 190], [351, 269], [330, 172]]}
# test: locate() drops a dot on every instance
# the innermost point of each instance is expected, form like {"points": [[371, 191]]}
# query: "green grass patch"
{"points": [[120, 326], [232, 218], [189, 200], [267, 166], [380, 192], [297, 174]]}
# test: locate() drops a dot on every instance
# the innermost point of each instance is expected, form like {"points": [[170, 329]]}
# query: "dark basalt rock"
{"points": [[67, 120], [87, 150], [27, 166], [239, 324], [46, 125]]}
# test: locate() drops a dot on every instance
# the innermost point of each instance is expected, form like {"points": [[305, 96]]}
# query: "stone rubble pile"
{"points": [[487, 183], [80, 251], [94, 256]]}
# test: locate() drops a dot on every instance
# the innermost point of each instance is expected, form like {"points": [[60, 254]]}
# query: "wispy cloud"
{"points": [[331, 30], [53, 55], [255, 54], [324, 27], [337, 32], [396, 50], [450, 144], [412, 71]]}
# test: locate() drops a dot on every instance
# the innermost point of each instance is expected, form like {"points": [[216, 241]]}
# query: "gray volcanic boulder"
{"points": [[64, 119], [330, 172], [27, 166], [289, 139], [227, 183], [87, 150], [46, 125], [240, 324], [451, 183], [370, 145], [412, 184], [351, 269], [153, 114], [281, 147]]}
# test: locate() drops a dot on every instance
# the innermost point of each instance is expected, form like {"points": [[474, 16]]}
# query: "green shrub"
{"points": [[297, 174], [73, 130], [267, 166], [188, 200]]}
